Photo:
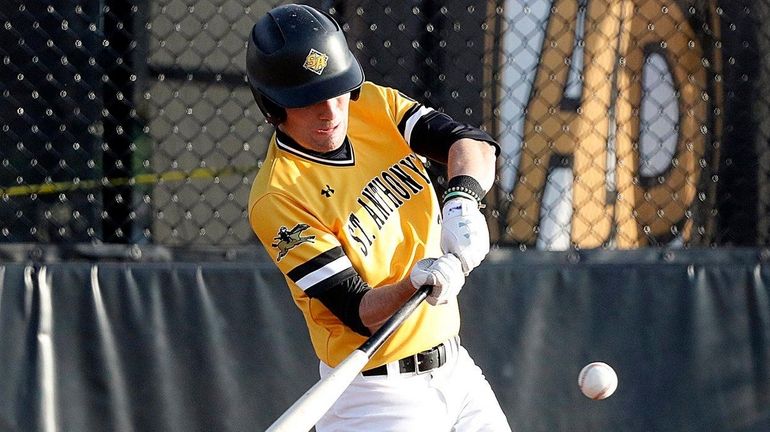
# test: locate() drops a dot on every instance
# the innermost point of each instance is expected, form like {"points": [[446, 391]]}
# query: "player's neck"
{"points": [[341, 152]]}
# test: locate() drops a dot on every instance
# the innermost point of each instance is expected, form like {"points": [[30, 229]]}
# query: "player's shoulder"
{"points": [[267, 181], [370, 90], [267, 198], [376, 100]]}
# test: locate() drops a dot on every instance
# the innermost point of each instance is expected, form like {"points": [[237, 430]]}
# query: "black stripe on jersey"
{"points": [[318, 263], [341, 292], [435, 132]]}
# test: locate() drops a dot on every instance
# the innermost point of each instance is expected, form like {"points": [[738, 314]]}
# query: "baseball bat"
{"points": [[312, 405]]}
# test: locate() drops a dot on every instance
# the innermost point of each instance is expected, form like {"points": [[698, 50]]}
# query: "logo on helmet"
{"points": [[316, 61]]}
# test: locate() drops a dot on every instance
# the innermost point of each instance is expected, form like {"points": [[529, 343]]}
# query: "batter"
{"points": [[345, 207]]}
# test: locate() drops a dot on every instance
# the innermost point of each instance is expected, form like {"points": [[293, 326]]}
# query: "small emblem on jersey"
{"points": [[316, 61], [327, 192], [290, 238]]}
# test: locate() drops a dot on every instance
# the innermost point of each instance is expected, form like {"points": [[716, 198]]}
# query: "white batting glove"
{"points": [[445, 274], [464, 232]]}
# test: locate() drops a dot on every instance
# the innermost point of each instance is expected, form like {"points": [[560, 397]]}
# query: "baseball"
{"points": [[598, 380]]}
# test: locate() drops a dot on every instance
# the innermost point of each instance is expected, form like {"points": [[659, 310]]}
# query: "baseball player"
{"points": [[345, 207]]}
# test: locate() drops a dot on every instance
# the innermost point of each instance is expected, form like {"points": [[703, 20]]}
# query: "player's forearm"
{"points": [[472, 158], [379, 304]]}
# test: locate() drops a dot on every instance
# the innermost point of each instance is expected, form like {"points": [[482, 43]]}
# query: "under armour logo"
{"points": [[327, 192]]}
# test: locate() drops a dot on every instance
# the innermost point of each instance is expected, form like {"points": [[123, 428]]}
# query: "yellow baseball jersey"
{"points": [[373, 213]]}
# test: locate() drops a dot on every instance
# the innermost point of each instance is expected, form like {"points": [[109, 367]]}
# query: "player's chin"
{"points": [[330, 140]]}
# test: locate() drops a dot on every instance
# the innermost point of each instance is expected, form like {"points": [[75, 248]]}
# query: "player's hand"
{"points": [[444, 273], [464, 232]]}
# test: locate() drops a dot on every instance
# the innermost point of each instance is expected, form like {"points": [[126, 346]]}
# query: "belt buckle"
{"points": [[427, 352], [417, 370]]}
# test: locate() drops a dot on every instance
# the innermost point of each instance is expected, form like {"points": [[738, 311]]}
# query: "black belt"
{"points": [[421, 362]]}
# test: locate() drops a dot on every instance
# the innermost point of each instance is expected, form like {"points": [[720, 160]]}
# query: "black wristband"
{"points": [[463, 186]]}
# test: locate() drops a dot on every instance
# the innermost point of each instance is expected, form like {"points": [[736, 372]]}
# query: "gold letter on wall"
{"points": [[598, 134]]}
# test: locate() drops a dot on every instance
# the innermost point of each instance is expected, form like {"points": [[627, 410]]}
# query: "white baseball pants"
{"points": [[453, 398]]}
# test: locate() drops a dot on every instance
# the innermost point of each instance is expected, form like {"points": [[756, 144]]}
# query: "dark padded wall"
{"points": [[186, 346]]}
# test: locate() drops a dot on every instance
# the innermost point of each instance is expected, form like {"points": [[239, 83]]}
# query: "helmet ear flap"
{"points": [[355, 94], [273, 113]]}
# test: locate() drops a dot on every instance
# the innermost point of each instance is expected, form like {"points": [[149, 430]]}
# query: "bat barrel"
{"points": [[309, 408]]}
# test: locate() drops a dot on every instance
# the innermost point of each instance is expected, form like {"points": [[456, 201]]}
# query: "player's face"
{"points": [[321, 127]]}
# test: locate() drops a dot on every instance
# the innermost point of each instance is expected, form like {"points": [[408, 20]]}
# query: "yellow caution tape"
{"points": [[139, 179]]}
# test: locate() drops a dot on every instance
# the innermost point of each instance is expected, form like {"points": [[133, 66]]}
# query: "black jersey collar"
{"points": [[343, 156]]}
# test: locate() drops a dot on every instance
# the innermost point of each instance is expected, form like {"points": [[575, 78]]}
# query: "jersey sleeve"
{"points": [[429, 132], [302, 248]]}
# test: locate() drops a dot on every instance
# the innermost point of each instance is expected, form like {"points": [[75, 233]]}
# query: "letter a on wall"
{"points": [[623, 100]]}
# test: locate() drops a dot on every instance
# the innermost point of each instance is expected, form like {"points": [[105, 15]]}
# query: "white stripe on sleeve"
{"points": [[412, 120], [324, 272]]}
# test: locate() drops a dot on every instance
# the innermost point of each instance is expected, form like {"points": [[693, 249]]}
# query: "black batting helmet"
{"points": [[298, 56]]}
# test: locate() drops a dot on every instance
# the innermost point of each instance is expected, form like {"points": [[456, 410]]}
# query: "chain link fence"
{"points": [[623, 124]]}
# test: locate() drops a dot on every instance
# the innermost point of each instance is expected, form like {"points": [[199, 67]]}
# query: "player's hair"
{"points": [[298, 56]]}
